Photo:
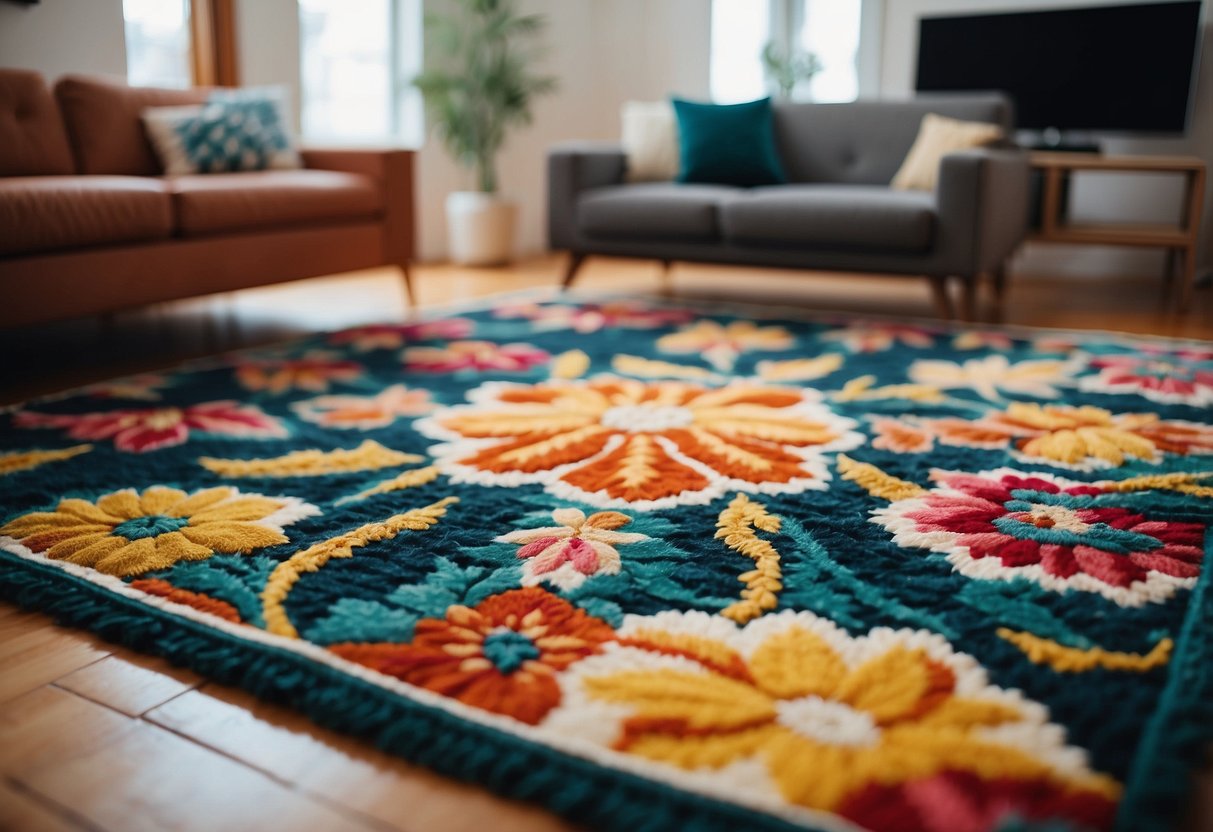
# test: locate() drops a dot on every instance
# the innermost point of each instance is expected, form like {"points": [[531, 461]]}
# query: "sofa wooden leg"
{"points": [[998, 282], [968, 298], [939, 292], [667, 278], [576, 258], [409, 295]]}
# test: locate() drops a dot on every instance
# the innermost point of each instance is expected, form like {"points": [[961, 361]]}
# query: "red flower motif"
{"points": [[962, 802], [1005, 524], [139, 431], [392, 336], [500, 656], [1184, 377]]}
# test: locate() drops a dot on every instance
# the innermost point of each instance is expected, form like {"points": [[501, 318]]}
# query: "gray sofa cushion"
{"points": [[831, 216], [864, 142], [663, 210]]}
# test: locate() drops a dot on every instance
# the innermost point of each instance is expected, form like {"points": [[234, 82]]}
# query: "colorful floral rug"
{"points": [[661, 567]]}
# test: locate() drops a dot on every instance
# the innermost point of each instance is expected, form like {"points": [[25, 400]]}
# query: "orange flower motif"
{"points": [[901, 437], [365, 412], [1084, 438], [314, 372], [501, 656], [610, 441], [721, 345]]}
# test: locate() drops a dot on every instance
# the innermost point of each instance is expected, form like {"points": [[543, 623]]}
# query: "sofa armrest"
{"points": [[573, 168], [393, 170], [982, 199]]}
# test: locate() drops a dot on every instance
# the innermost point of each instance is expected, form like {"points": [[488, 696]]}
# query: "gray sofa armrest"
{"points": [[982, 199], [573, 168]]}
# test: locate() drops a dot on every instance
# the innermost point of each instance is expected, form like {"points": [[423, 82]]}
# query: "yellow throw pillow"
{"points": [[937, 137], [650, 140]]}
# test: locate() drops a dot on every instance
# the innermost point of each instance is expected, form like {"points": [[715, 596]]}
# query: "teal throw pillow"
{"points": [[235, 130], [728, 144]]}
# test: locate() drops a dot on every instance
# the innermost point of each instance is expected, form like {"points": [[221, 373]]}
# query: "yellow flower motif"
{"points": [[721, 345], [825, 714], [127, 533], [1084, 437]]}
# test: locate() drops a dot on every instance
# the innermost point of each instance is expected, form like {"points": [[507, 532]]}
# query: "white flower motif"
{"points": [[987, 376]]}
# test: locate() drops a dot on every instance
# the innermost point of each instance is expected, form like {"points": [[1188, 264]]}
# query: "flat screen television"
{"points": [[1124, 68]]}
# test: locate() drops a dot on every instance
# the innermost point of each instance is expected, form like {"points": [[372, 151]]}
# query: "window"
{"points": [[741, 28], [157, 42], [357, 59]]}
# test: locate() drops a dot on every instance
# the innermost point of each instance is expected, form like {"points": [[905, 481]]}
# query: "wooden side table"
{"points": [[1179, 241]]}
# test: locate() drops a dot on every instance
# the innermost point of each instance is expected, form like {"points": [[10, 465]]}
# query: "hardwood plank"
{"points": [[131, 683], [48, 727], [150, 779], [1100, 161], [34, 652], [345, 771], [19, 812]]}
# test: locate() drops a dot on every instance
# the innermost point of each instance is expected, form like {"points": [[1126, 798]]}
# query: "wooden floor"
{"points": [[95, 737]]}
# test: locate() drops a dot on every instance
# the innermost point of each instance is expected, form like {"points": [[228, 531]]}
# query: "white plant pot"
{"points": [[480, 228]]}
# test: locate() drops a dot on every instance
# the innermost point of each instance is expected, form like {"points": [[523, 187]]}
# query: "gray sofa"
{"points": [[837, 212]]}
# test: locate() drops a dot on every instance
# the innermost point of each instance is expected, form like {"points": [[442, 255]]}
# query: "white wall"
{"points": [[61, 36], [1098, 197]]}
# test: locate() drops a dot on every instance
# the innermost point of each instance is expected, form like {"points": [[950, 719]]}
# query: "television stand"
{"points": [[1066, 147], [1179, 241]]}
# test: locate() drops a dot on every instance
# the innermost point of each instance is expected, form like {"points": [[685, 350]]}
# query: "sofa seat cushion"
{"points": [[662, 210], [832, 216], [216, 203], [46, 213]]}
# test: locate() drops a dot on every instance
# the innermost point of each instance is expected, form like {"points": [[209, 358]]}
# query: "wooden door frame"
{"points": [[213, 43]]}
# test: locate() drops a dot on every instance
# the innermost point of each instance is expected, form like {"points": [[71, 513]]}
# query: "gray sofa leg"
{"points": [[576, 258], [939, 292]]}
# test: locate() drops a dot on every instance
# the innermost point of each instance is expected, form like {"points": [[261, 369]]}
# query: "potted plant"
{"points": [[786, 68], [478, 84]]}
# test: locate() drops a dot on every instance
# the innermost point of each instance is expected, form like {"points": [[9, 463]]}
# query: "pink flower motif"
{"points": [[139, 431], [880, 337], [1064, 535], [393, 336], [477, 356], [313, 372], [592, 317], [580, 546], [1182, 377]]}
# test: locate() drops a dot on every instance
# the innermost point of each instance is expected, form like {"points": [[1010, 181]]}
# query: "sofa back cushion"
{"points": [[865, 142], [103, 119], [32, 138]]}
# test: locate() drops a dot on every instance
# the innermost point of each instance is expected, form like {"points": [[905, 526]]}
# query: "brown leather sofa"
{"points": [[88, 223]]}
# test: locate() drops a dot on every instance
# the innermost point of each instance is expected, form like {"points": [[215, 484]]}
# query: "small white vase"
{"points": [[480, 228]]}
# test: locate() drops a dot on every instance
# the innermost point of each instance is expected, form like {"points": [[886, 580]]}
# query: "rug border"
{"points": [[1162, 781], [502, 762]]}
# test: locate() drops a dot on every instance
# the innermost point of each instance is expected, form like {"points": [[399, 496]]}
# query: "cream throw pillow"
{"points": [[650, 140], [937, 137]]}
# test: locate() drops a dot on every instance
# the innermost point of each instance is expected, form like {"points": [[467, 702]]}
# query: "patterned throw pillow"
{"points": [[235, 130]]}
